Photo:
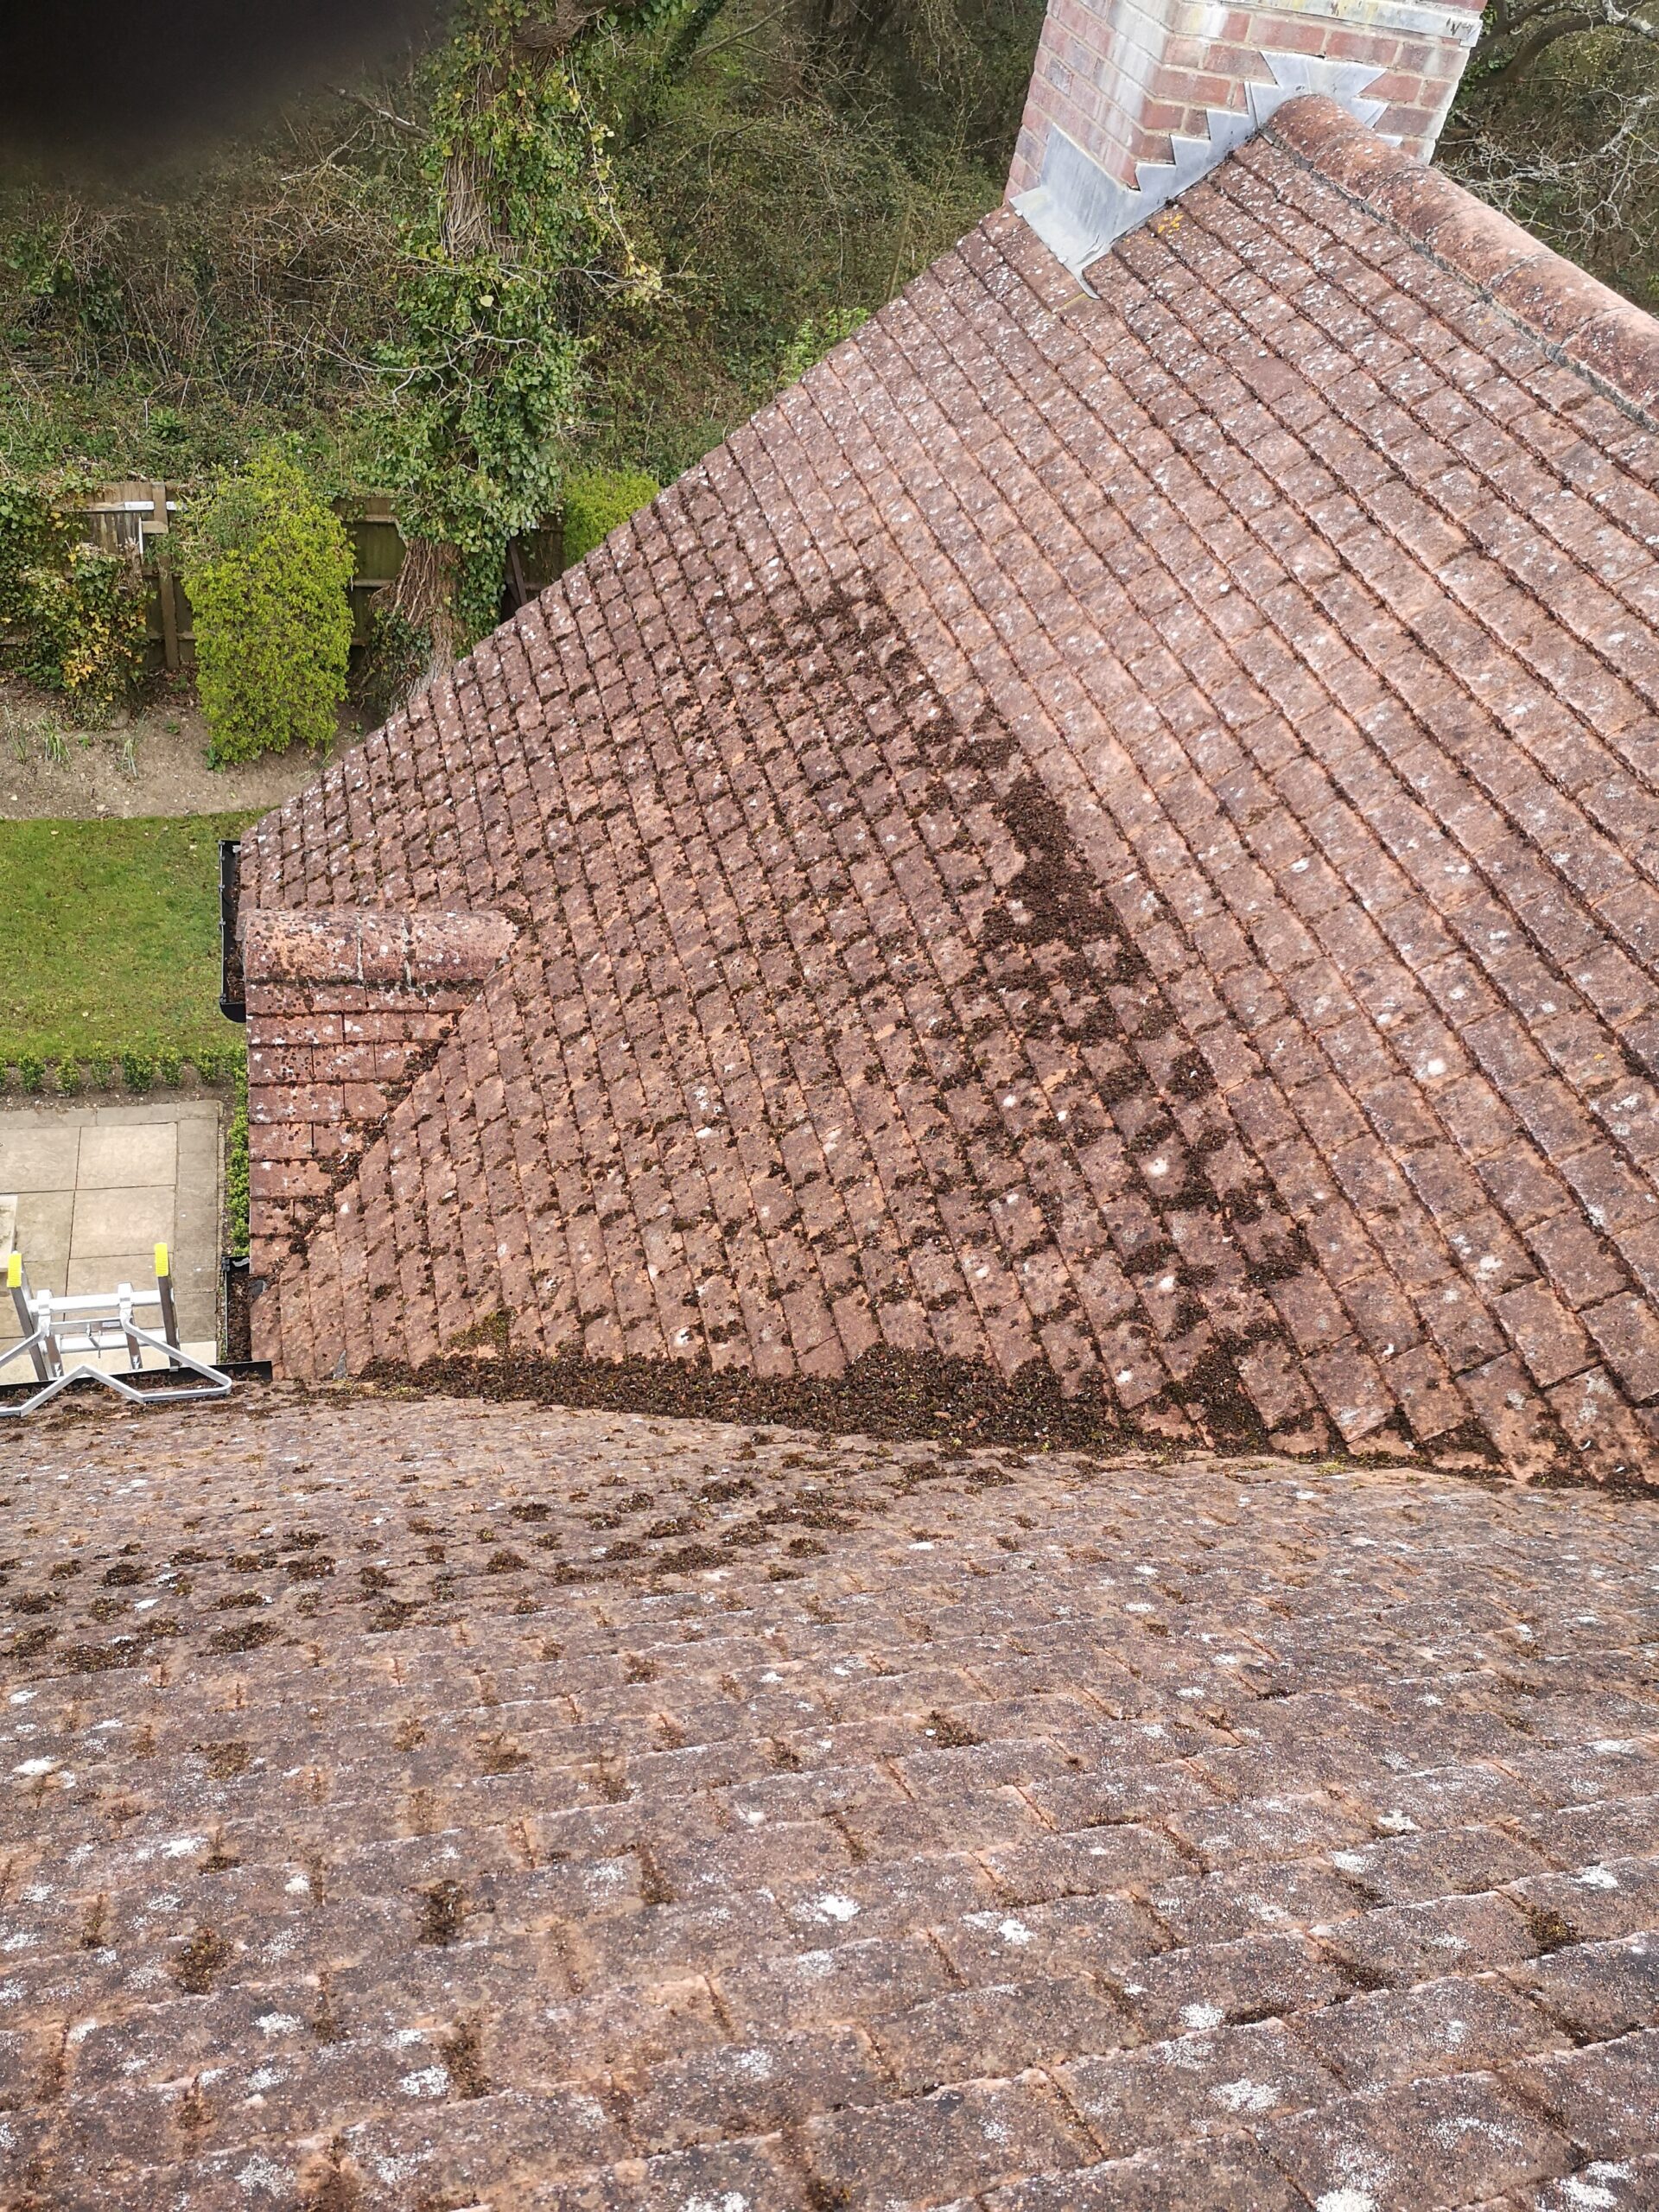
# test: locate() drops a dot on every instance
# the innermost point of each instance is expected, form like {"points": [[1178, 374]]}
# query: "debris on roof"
{"points": [[419, 1803]]}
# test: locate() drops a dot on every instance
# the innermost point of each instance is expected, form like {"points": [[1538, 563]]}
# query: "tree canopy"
{"points": [[1558, 123], [581, 235]]}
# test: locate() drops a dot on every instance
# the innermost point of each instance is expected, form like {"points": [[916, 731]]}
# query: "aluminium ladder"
{"points": [[98, 1324]]}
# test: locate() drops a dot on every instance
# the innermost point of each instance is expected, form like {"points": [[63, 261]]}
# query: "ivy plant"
{"points": [[71, 612], [522, 241], [519, 238]]}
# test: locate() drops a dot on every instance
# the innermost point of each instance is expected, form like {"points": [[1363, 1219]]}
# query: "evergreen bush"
{"points": [[267, 565], [597, 501]]}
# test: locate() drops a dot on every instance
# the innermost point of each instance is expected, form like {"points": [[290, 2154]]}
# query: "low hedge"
{"points": [[135, 1070]]}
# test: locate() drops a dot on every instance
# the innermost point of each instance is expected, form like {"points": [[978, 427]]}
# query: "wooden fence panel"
{"points": [[136, 515]]}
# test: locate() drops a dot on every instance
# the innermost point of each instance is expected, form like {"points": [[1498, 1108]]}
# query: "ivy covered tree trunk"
{"points": [[421, 602], [522, 240]]}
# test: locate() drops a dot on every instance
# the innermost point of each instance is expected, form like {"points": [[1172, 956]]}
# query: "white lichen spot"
{"points": [[261, 2173], [1586, 2189], [1245, 2096]]}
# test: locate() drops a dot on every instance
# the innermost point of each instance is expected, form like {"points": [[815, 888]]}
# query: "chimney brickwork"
{"points": [[344, 1006], [1132, 100]]}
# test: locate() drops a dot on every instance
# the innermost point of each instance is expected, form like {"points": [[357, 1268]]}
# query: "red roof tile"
{"points": [[1114, 840], [414, 1803]]}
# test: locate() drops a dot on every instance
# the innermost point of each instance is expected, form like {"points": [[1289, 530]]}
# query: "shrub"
{"points": [[68, 1077], [815, 336], [220, 1065], [267, 565], [169, 1067], [596, 501], [75, 614], [85, 625], [31, 1073], [137, 1070]]}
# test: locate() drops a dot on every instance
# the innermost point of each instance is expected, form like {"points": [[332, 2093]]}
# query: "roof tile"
{"points": [[1072, 788]]}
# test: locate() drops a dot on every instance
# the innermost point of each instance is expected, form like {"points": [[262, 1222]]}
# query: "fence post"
{"points": [[164, 587]]}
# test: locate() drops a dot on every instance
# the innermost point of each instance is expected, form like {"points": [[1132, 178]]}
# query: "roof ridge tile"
{"points": [[1581, 321]]}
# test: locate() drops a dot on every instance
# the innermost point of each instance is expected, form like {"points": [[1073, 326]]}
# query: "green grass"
{"points": [[109, 938]]}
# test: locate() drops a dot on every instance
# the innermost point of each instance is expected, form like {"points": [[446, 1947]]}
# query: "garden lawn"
{"points": [[108, 937]]}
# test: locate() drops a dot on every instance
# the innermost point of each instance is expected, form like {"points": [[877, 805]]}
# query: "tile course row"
{"points": [[910, 1874]]}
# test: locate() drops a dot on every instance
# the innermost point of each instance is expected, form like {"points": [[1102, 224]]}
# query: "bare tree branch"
{"points": [[381, 114], [1600, 15]]}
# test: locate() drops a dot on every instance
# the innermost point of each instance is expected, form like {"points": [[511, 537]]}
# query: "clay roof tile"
{"points": [[1086, 865]]}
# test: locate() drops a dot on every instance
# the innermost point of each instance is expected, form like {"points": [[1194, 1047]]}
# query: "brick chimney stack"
{"points": [[1133, 99]]}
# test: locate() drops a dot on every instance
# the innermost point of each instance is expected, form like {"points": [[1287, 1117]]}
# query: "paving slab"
{"points": [[198, 1223], [142, 1114], [97, 1185], [108, 1222], [87, 1277], [37, 1155], [114, 1158], [41, 1234]]}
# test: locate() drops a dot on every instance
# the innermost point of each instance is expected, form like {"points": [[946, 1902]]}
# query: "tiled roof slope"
{"points": [[411, 1805], [1112, 837]]}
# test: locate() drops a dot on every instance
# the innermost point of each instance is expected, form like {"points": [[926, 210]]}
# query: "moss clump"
{"points": [[596, 501]]}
